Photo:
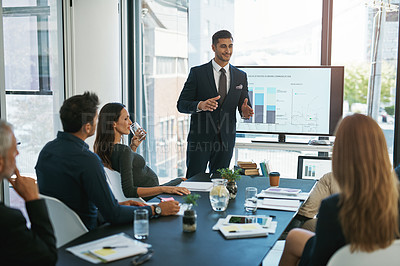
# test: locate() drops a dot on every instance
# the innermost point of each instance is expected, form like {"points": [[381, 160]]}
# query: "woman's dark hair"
{"points": [[78, 111], [105, 136]]}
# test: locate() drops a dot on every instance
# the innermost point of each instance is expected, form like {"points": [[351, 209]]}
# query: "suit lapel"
{"points": [[231, 85], [210, 75]]}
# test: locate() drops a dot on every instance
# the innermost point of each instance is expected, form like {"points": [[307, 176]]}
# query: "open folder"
{"points": [[108, 249]]}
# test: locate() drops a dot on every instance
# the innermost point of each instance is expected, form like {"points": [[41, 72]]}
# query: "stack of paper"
{"points": [[242, 230], [197, 186], [299, 196], [279, 204], [269, 226], [108, 249], [285, 191]]}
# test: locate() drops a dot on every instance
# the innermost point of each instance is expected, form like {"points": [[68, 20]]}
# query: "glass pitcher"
{"points": [[219, 195]]}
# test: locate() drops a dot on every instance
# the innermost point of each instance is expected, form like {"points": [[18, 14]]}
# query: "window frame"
{"points": [[41, 12]]}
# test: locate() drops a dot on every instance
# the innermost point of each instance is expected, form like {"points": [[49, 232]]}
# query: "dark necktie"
{"points": [[222, 85]]}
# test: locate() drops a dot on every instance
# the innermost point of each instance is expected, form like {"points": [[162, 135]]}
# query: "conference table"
{"points": [[172, 246]]}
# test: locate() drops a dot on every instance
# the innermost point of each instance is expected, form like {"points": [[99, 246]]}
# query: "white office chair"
{"points": [[114, 181], [389, 256], [66, 223]]}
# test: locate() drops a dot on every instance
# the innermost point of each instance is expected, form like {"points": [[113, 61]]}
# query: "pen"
{"points": [[112, 247], [240, 231]]}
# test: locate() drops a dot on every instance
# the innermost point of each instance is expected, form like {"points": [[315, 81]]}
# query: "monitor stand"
{"points": [[320, 153]]}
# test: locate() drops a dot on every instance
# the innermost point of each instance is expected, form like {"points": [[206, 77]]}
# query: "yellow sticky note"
{"points": [[105, 251], [231, 228], [249, 227]]}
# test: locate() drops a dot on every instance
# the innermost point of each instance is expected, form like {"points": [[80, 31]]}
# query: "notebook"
{"points": [[109, 248], [232, 231]]}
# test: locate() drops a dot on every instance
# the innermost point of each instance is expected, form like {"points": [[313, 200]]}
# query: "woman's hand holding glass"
{"points": [[139, 134]]}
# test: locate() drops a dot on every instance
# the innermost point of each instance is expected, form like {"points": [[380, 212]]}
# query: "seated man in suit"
{"points": [[69, 171], [20, 245]]}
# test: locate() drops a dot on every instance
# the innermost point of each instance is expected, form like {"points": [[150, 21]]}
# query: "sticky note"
{"points": [[249, 227], [105, 252], [230, 228], [167, 199]]}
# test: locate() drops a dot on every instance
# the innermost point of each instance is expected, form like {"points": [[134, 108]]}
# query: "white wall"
{"points": [[92, 41], [94, 59]]}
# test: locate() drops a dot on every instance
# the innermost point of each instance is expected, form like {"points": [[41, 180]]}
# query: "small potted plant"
{"points": [[189, 215], [231, 176]]}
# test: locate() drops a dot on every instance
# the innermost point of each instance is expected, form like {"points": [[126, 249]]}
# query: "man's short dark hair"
{"points": [[78, 111], [222, 34]]}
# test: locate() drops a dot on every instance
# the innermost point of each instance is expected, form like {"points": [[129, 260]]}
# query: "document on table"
{"points": [[197, 186], [223, 221], [232, 231], [282, 190], [278, 204], [299, 196], [108, 249]]}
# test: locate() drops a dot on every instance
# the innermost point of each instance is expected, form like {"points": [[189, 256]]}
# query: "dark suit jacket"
{"points": [[200, 86], [328, 235], [22, 246]]}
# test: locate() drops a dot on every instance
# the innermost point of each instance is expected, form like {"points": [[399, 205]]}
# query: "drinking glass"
{"points": [[251, 199], [134, 129], [141, 224]]}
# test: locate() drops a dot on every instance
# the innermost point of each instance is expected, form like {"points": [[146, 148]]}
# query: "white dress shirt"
{"points": [[217, 74]]}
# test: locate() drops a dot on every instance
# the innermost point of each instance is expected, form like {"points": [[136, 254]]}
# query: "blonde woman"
{"points": [[365, 214]]}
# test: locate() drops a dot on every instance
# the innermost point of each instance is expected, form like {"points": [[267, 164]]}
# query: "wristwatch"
{"points": [[157, 211]]}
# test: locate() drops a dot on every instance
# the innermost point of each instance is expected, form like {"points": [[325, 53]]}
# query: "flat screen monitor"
{"points": [[297, 100], [313, 167]]}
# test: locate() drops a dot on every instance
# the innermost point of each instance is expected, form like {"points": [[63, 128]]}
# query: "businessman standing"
{"points": [[211, 94]]}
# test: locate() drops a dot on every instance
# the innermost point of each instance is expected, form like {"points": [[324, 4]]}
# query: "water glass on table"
{"points": [[141, 224], [251, 199]]}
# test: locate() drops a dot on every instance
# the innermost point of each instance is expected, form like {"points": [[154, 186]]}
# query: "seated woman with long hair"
{"points": [[365, 214], [137, 179]]}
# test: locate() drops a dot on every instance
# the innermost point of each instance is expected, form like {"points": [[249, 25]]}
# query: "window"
{"points": [[165, 51], [34, 80], [166, 65], [172, 41], [367, 47], [266, 32]]}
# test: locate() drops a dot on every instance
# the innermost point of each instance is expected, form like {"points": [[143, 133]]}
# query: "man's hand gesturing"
{"points": [[210, 104], [247, 111]]}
